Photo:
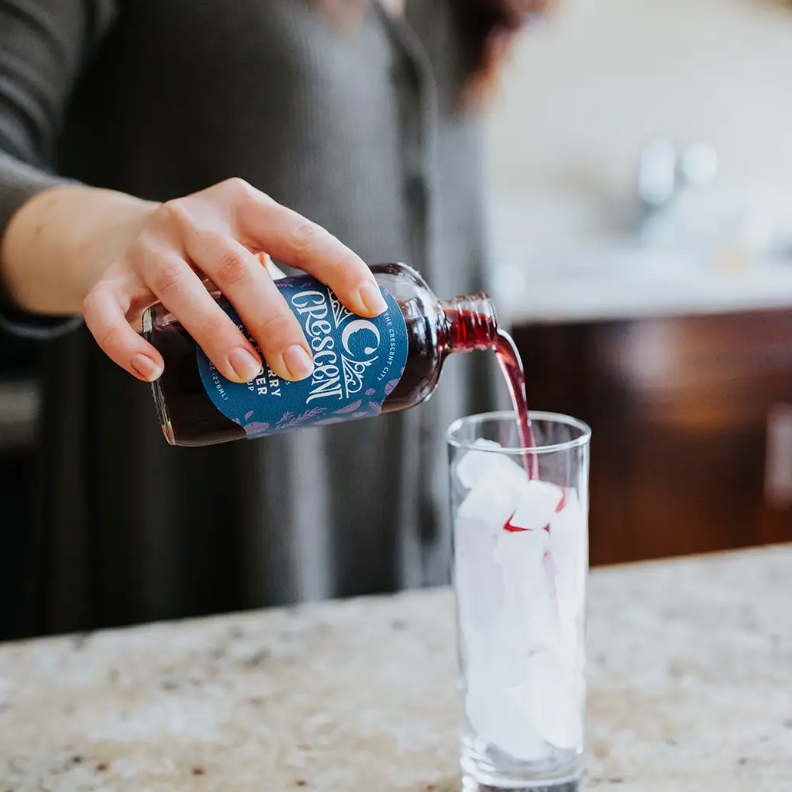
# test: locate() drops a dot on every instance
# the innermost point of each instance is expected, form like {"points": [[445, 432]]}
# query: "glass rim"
{"points": [[507, 415]]}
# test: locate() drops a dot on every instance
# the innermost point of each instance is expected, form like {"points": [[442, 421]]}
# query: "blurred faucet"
{"points": [[663, 172]]}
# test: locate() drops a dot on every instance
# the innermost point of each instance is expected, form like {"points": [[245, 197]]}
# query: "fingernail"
{"points": [[244, 364], [372, 298], [298, 362], [149, 369]]}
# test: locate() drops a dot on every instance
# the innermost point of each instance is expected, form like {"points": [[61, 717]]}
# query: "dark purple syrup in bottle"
{"points": [[434, 328]]}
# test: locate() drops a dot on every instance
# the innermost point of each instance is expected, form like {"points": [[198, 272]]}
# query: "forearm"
{"points": [[60, 242]]}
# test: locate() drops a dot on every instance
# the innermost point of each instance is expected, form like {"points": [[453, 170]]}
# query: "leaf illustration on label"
{"points": [[389, 388], [313, 413], [375, 408], [247, 415], [256, 429], [370, 392], [350, 408], [309, 415], [328, 421], [287, 416]]}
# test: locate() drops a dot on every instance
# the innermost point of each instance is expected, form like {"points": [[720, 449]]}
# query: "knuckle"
{"points": [[277, 329], [110, 340], [216, 326], [236, 184], [139, 254], [167, 278], [95, 301], [175, 213], [339, 270], [304, 236], [241, 192], [210, 243], [90, 302], [230, 267]]}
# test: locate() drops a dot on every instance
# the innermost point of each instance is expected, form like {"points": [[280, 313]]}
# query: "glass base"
{"points": [[493, 771], [471, 785]]}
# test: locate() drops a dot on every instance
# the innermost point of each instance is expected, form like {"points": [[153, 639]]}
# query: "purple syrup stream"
{"points": [[512, 368]]}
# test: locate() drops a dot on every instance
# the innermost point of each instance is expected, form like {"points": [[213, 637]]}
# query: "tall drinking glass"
{"points": [[520, 568]]}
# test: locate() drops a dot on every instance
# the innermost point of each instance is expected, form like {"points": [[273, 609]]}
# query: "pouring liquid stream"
{"points": [[511, 365]]}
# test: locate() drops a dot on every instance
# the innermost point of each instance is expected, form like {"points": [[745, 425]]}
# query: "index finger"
{"points": [[289, 237]]}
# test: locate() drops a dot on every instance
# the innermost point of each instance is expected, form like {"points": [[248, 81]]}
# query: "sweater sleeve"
{"points": [[44, 46]]}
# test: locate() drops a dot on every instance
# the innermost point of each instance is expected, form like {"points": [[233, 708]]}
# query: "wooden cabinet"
{"points": [[692, 427]]}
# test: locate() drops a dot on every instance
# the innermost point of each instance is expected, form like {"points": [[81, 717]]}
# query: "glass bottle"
{"points": [[363, 367]]}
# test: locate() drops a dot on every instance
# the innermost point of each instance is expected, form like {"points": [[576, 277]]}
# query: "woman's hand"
{"points": [[165, 253]]}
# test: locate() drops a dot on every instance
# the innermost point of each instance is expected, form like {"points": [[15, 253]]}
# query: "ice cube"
{"points": [[491, 502], [520, 553], [520, 558], [569, 536], [478, 581], [477, 465], [537, 505], [499, 721], [526, 720], [551, 701], [545, 631], [569, 548], [571, 653]]}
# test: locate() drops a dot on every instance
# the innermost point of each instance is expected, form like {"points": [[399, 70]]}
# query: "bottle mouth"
{"points": [[471, 321]]}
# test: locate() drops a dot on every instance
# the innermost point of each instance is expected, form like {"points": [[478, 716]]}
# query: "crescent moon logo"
{"points": [[355, 327]]}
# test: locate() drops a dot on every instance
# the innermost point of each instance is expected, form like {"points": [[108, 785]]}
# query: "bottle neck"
{"points": [[470, 323]]}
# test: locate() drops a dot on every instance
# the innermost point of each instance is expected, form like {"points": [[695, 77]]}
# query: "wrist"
{"points": [[62, 240], [96, 245]]}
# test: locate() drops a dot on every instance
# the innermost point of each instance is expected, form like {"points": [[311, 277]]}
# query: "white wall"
{"points": [[584, 90]]}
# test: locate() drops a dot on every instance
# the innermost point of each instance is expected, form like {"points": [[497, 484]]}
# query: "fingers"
{"points": [[238, 274], [208, 237], [289, 237], [104, 310], [181, 291]]}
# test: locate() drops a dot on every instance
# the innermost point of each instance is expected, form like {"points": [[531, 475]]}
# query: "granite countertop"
{"points": [[690, 669]]}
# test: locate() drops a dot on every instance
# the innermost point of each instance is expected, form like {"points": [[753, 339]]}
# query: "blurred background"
{"points": [[641, 182], [641, 177]]}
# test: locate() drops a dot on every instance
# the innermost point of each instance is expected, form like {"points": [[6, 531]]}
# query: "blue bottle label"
{"points": [[358, 362]]}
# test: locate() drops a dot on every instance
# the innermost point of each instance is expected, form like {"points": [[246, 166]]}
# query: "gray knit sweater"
{"points": [[361, 133]]}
